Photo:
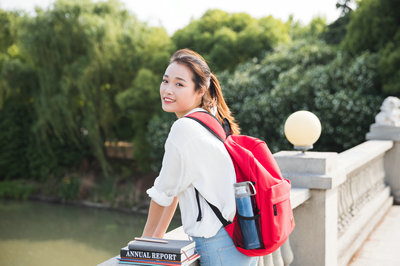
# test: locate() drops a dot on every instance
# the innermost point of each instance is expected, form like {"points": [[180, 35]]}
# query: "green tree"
{"points": [[375, 26], [8, 52], [6, 36], [139, 103], [225, 39], [84, 54], [17, 83], [335, 32], [389, 66], [313, 30]]}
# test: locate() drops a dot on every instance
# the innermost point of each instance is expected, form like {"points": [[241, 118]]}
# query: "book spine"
{"points": [[173, 248], [148, 262], [139, 254]]}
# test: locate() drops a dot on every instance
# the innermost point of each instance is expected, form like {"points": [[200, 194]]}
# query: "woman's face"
{"points": [[177, 90]]}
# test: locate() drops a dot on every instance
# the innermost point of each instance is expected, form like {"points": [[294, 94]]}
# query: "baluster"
{"points": [[287, 253]]}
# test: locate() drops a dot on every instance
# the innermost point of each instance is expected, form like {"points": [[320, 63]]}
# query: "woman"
{"points": [[195, 158]]}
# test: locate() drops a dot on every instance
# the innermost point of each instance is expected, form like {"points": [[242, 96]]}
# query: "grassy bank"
{"points": [[124, 190]]}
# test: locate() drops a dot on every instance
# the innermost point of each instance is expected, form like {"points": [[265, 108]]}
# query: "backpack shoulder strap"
{"points": [[210, 122], [217, 212]]}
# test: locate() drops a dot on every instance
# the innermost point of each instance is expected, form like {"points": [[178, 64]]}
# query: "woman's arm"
{"points": [[159, 218]]}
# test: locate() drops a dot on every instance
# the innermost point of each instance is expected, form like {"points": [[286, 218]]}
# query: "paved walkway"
{"points": [[382, 247]]}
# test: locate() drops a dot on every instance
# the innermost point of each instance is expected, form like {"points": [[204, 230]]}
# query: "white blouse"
{"points": [[196, 158]]}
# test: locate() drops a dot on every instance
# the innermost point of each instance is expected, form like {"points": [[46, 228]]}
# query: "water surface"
{"points": [[37, 233]]}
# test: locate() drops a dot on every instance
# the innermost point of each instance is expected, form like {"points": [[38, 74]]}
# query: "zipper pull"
{"points": [[275, 210]]}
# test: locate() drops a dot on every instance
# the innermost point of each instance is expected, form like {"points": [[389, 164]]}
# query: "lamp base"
{"points": [[303, 149]]}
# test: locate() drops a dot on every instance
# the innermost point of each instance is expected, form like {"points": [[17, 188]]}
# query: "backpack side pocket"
{"points": [[281, 214]]}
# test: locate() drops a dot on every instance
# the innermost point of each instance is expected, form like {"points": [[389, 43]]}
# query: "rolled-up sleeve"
{"points": [[170, 180]]}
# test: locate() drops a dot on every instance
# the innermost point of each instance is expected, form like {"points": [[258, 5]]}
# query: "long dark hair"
{"points": [[203, 78]]}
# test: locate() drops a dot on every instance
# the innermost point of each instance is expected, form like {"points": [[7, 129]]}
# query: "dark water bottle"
{"points": [[245, 209]]}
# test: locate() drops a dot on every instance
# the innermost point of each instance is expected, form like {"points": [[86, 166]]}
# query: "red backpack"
{"points": [[254, 162]]}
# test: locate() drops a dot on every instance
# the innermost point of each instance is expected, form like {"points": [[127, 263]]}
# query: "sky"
{"points": [[175, 14]]}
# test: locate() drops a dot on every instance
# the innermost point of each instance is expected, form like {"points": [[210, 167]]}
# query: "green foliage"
{"points": [[389, 66], [64, 74], [18, 81], [14, 74], [375, 26], [305, 76], [82, 72], [372, 25], [14, 138], [313, 30], [16, 189], [225, 39], [140, 103], [7, 35], [69, 187], [158, 129], [335, 32], [84, 55]]}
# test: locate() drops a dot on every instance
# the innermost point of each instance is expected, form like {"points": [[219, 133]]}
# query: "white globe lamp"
{"points": [[302, 129]]}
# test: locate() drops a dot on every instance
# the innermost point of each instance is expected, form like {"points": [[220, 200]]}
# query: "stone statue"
{"points": [[390, 112]]}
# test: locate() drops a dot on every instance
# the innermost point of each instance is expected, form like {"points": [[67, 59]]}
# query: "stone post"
{"points": [[314, 239], [387, 127]]}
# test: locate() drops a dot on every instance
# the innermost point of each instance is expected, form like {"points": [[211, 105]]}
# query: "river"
{"points": [[41, 234]]}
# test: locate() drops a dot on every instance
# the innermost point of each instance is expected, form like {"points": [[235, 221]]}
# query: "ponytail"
{"points": [[216, 100]]}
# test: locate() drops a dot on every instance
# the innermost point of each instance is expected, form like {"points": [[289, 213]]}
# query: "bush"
{"points": [[15, 125], [158, 129], [69, 187], [306, 75], [16, 189]]}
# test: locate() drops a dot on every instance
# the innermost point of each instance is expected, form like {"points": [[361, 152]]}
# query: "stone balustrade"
{"points": [[348, 198], [363, 198]]}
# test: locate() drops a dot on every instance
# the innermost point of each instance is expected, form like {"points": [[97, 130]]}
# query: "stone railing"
{"points": [[363, 198], [348, 198]]}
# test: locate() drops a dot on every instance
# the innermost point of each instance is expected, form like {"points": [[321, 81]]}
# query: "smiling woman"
{"points": [[194, 158]]}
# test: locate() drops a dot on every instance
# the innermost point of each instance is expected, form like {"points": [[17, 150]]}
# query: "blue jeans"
{"points": [[219, 250]]}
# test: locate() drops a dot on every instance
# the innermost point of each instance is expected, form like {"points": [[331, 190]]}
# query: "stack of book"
{"points": [[155, 251]]}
